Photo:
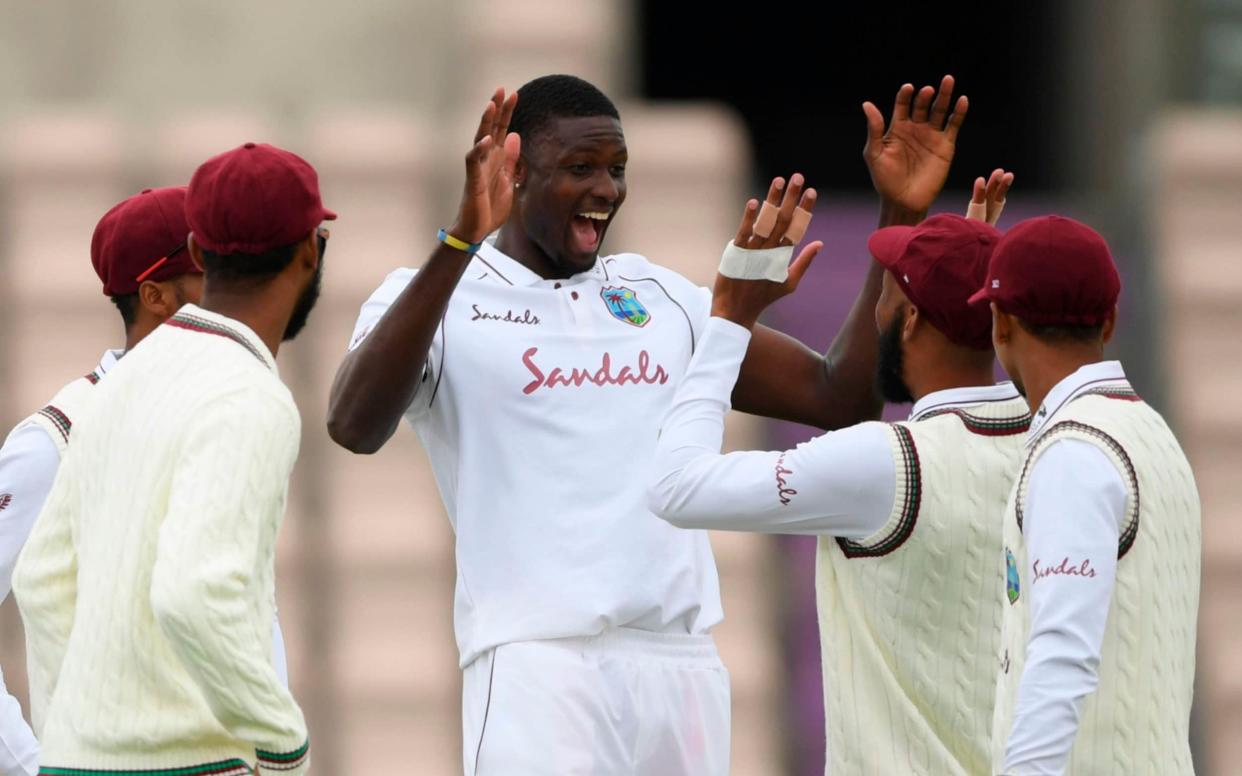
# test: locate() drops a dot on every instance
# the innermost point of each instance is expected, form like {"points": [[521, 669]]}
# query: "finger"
{"points": [[994, 183], [800, 220], [940, 107], [979, 196], [513, 149], [955, 121], [875, 125], [745, 229], [901, 106], [485, 123], [802, 264], [774, 190], [1002, 191], [921, 103], [766, 220], [793, 194], [503, 119]]}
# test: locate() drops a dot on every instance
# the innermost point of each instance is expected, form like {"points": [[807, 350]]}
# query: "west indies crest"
{"points": [[624, 305]]}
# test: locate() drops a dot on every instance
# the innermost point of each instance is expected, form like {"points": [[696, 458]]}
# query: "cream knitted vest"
{"points": [[1137, 721], [907, 617], [57, 417]]}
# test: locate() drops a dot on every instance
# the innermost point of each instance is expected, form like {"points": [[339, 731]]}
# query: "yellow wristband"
{"points": [[459, 244]]}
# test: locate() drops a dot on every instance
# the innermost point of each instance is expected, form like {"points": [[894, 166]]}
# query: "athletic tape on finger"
{"points": [[798, 223], [756, 264], [977, 211], [998, 208], [766, 220]]}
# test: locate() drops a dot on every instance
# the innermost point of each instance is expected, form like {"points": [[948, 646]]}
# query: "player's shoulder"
{"points": [[632, 267]]}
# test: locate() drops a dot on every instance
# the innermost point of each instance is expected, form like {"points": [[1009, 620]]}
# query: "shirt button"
{"points": [[574, 294], [557, 285]]}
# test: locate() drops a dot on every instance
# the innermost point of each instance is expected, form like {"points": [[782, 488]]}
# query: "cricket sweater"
{"points": [[147, 585], [1137, 719]]}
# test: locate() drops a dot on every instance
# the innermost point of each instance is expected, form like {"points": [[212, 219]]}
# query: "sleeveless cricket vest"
{"points": [[1137, 721], [909, 615], [56, 418]]}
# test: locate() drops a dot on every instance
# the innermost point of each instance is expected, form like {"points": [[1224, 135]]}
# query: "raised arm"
{"points": [[909, 163], [378, 379]]}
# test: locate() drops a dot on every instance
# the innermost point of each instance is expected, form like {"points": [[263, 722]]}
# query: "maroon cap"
{"points": [[252, 199], [938, 264], [142, 238], [1052, 271]]}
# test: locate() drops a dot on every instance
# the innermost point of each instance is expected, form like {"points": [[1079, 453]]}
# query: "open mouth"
{"points": [[587, 229]]}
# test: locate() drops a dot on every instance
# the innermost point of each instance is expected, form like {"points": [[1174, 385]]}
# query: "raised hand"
{"points": [[910, 162], [742, 301], [988, 200], [488, 195]]}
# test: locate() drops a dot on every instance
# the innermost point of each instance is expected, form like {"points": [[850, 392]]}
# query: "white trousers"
{"points": [[624, 703]]}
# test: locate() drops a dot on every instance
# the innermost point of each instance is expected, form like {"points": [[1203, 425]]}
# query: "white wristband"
{"points": [[756, 264]]}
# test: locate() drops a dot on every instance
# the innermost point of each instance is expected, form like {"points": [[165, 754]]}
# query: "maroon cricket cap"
{"points": [[142, 238], [252, 199], [938, 264], [1052, 271]]}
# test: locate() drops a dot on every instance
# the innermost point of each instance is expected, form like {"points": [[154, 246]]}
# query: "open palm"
{"points": [[910, 162], [488, 194]]}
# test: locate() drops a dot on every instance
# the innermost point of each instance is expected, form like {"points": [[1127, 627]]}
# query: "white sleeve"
{"points": [[369, 316], [28, 464], [1075, 506], [838, 484]]}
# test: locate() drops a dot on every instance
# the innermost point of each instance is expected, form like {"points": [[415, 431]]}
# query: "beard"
{"points": [[306, 303], [890, 366]]}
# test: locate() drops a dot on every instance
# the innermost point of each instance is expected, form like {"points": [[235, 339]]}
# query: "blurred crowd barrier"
{"points": [[1197, 204]]}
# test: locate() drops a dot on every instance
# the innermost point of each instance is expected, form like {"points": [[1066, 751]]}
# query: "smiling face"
{"points": [[572, 183]]}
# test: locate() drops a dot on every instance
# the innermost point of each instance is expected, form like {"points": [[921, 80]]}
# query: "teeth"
{"points": [[594, 216]]}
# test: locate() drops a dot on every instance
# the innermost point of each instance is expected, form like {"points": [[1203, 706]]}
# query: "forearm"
{"points": [[19, 751], [378, 379], [839, 485]]}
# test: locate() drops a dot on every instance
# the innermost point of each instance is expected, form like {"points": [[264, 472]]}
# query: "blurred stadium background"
{"points": [[1123, 113]]}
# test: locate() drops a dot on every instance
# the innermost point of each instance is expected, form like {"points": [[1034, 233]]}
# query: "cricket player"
{"points": [[535, 371], [907, 513], [147, 584], [138, 251], [1102, 531]]}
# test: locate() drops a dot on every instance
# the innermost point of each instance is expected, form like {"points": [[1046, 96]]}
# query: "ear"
{"points": [[1110, 326], [196, 253], [520, 171], [1002, 325], [309, 250], [158, 298], [912, 323]]}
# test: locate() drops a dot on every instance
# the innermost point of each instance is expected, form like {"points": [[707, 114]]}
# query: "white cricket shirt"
{"points": [[539, 411]]}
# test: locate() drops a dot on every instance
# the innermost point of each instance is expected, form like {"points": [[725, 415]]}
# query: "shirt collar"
{"points": [[1098, 375], [950, 398], [107, 361], [511, 271], [194, 318]]}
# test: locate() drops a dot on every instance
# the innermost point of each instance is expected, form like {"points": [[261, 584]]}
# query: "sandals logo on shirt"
{"points": [[624, 305], [1011, 577]]}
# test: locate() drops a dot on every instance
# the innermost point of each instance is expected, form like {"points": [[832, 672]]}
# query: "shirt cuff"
{"points": [[724, 330]]}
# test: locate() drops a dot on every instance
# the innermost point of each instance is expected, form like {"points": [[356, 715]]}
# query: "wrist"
{"points": [[743, 318], [893, 213], [467, 234]]}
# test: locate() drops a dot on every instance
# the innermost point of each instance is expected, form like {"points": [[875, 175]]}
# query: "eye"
{"points": [[618, 171], [580, 169]]}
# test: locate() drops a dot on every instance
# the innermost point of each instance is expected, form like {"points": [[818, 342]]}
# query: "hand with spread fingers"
{"points": [[910, 161], [488, 195], [755, 269], [988, 200]]}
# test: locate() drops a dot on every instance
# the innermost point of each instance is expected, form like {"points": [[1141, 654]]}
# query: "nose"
{"points": [[605, 187]]}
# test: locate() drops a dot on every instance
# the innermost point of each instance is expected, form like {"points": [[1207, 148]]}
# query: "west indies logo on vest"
{"points": [[624, 305]]}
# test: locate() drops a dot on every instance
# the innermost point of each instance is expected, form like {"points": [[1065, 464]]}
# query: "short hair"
{"points": [[1063, 332], [248, 268], [556, 96], [127, 304]]}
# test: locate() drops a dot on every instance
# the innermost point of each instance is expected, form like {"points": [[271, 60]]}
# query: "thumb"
{"points": [[803, 263], [875, 124]]}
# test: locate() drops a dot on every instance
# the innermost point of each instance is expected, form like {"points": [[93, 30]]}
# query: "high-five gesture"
{"points": [[488, 195], [742, 301], [910, 162], [988, 200]]}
